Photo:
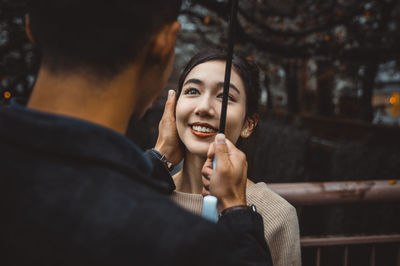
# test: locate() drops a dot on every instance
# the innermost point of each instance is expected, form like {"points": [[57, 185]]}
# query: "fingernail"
{"points": [[171, 94], [220, 138]]}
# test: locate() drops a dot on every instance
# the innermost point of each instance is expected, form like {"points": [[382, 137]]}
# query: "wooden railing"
{"points": [[327, 193], [324, 193], [347, 242]]}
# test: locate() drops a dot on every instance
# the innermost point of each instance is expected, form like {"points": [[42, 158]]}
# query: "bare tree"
{"points": [[336, 31]]}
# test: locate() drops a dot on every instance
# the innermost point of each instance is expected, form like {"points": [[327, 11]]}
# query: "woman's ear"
{"points": [[28, 29], [249, 126]]}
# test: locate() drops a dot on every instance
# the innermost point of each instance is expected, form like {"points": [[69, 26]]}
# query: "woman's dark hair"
{"points": [[246, 69]]}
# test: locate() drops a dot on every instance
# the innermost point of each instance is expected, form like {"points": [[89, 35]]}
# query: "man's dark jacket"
{"points": [[74, 193]]}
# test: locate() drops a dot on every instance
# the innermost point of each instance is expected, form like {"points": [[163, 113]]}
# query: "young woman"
{"points": [[197, 115]]}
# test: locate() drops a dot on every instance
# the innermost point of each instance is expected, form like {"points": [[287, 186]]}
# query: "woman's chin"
{"points": [[198, 150]]}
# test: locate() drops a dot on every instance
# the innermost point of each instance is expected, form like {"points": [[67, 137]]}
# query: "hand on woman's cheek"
{"points": [[168, 142]]}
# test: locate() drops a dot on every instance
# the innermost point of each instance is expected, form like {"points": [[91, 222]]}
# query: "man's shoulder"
{"points": [[118, 219]]}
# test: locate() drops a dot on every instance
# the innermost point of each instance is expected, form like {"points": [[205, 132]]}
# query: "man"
{"points": [[74, 190]]}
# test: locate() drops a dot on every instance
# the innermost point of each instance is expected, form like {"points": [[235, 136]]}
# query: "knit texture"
{"points": [[281, 228]]}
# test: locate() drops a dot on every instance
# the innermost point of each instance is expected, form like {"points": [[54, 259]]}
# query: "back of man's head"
{"points": [[101, 36]]}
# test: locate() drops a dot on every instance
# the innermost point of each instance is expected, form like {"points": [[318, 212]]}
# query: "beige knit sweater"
{"points": [[281, 228]]}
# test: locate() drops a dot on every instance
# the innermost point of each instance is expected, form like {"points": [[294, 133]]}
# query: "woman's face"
{"points": [[199, 107]]}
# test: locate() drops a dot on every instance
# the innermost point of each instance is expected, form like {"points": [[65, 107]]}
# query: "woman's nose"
{"points": [[205, 107]]}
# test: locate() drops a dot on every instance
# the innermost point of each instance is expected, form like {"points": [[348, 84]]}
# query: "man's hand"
{"points": [[168, 143], [228, 181]]}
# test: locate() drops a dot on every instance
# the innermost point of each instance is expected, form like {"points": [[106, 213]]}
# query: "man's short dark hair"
{"points": [[102, 36]]}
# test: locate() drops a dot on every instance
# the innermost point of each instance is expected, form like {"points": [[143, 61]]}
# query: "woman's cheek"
{"points": [[181, 116], [235, 121]]}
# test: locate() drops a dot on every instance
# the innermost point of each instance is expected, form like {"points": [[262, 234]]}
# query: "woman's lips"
{"points": [[203, 130], [203, 134]]}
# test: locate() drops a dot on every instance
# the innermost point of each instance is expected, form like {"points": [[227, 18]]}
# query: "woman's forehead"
{"points": [[213, 72]]}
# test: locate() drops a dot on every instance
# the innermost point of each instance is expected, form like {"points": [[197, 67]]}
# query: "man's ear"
{"points": [[163, 42], [28, 29], [249, 125]]}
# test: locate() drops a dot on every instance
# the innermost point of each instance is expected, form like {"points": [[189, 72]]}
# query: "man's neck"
{"points": [[109, 104]]}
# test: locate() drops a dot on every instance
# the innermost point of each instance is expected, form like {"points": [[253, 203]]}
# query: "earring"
{"points": [[245, 133]]}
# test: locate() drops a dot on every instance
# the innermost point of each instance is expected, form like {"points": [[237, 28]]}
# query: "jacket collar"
{"points": [[72, 138]]}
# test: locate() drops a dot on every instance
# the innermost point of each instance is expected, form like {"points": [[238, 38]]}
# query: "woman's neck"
{"points": [[188, 180]]}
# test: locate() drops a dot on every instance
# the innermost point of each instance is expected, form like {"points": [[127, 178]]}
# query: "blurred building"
{"points": [[386, 96], [386, 103]]}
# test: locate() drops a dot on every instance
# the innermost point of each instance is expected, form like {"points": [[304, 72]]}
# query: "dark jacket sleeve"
{"points": [[160, 172], [246, 231], [236, 240]]}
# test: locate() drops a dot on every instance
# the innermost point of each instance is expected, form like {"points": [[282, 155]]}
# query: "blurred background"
{"points": [[330, 102]]}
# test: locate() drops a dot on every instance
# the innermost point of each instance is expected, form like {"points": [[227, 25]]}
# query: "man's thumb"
{"points": [[221, 149], [170, 104], [220, 138]]}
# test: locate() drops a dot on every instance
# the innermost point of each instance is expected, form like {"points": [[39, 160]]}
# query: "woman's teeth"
{"points": [[204, 129]]}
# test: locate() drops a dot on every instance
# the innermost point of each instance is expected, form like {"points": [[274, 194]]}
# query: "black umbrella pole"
{"points": [[231, 40]]}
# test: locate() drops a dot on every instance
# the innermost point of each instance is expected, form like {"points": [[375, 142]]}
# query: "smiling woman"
{"points": [[199, 104], [197, 113]]}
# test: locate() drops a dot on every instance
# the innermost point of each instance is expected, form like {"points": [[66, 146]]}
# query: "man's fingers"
{"points": [[207, 169], [205, 192], [211, 151], [206, 182]]}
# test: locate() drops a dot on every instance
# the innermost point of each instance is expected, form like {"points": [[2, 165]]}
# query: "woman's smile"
{"points": [[203, 130]]}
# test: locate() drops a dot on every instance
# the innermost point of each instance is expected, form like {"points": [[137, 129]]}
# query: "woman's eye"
{"points": [[191, 91], [230, 98]]}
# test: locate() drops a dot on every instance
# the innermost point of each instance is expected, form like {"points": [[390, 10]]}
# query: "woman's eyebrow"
{"points": [[221, 84], [195, 81]]}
